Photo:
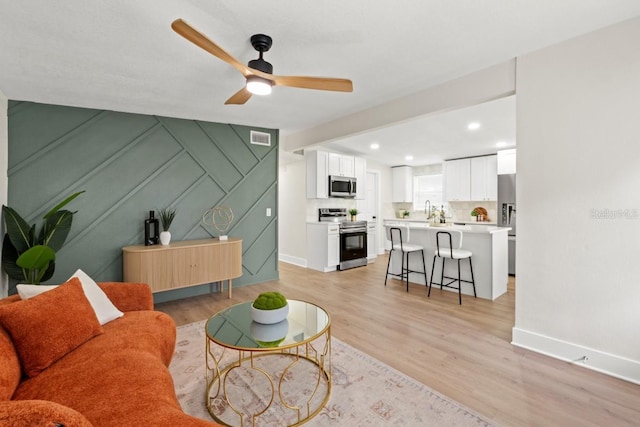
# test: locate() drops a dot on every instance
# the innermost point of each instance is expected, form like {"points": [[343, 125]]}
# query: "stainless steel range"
{"points": [[353, 237]]}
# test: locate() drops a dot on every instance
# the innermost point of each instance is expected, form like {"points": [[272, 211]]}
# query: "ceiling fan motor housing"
{"points": [[261, 65], [262, 43]]}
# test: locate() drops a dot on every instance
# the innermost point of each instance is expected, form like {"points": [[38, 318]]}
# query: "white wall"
{"points": [[292, 208], [4, 165], [578, 284]]}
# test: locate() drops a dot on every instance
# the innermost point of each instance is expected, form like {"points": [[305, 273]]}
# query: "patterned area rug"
{"points": [[365, 391]]}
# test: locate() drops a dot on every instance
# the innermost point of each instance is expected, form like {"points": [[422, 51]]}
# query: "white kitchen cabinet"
{"points": [[402, 179], [457, 180], [372, 252], [484, 178], [506, 161], [317, 174], [333, 249], [342, 165], [323, 246], [360, 169]]}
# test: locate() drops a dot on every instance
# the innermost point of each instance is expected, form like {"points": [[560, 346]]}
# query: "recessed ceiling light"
{"points": [[473, 126], [375, 146], [408, 158], [501, 144]]}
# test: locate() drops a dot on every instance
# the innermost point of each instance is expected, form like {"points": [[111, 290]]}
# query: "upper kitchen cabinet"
{"points": [[457, 180], [484, 178], [360, 173], [507, 162], [342, 165], [319, 166], [402, 178], [317, 176]]}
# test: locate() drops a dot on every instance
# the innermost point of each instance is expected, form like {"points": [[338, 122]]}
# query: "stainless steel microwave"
{"points": [[342, 186]]}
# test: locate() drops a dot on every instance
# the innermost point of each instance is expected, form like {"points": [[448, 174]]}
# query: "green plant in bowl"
{"points": [[270, 301], [269, 308]]}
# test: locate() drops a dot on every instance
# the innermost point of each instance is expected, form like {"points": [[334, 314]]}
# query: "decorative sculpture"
{"points": [[220, 218]]}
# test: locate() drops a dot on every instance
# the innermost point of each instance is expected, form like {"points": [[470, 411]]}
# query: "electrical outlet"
{"points": [[268, 211]]}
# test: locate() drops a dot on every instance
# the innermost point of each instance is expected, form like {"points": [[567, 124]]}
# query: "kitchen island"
{"points": [[488, 243]]}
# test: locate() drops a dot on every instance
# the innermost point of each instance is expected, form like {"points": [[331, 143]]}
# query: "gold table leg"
{"points": [[218, 368]]}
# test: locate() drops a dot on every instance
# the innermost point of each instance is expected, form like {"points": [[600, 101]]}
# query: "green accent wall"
{"points": [[129, 164]]}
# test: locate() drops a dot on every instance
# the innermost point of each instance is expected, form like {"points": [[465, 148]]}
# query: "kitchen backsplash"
{"points": [[314, 204], [461, 211]]}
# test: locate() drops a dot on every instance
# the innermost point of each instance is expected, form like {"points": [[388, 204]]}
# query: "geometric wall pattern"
{"points": [[129, 164]]}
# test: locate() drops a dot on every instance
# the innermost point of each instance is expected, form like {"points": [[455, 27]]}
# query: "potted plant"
{"points": [[167, 216], [29, 256], [269, 308], [353, 213], [474, 215]]}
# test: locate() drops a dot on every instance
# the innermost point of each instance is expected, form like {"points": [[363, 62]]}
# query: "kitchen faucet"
{"points": [[427, 211]]}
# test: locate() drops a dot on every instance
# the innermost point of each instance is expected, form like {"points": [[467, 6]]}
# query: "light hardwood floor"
{"points": [[463, 351]]}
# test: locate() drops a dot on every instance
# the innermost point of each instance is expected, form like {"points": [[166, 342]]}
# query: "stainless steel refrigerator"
{"points": [[507, 213]]}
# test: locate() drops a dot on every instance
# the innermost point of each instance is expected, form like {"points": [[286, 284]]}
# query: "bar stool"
{"points": [[449, 252], [397, 244]]}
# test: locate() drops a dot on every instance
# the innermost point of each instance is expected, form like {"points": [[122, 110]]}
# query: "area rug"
{"points": [[365, 391]]}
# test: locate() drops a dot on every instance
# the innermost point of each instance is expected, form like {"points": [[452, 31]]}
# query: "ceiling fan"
{"points": [[259, 73]]}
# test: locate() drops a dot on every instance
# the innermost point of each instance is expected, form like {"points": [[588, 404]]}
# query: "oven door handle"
{"points": [[354, 231]]}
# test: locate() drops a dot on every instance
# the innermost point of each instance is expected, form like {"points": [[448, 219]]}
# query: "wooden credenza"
{"points": [[183, 263]]}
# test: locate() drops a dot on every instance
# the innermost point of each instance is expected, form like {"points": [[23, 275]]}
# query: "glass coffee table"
{"points": [[278, 374]]}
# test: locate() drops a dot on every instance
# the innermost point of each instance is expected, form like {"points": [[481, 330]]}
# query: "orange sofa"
{"points": [[117, 376]]}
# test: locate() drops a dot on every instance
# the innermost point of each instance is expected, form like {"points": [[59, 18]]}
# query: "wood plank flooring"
{"points": [[463, 351]]}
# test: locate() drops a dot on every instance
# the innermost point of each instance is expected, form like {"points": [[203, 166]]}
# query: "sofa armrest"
{"points": [[128, 296], [23, 413]]}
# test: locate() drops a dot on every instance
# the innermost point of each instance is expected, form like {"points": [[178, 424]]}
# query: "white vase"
{"points": [[165, 237]]}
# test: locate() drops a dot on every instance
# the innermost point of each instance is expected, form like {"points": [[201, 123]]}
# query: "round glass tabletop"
{"points": [[234, 328]]}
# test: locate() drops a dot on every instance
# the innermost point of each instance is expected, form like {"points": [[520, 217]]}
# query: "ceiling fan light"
{"points": [[259, 86]]}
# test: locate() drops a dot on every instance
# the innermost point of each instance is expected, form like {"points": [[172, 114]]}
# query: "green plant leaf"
{"points": [[56, 229], [62, 204], [9, 257], [37, 257], [18, 229], [28, 255], [48, 273]]}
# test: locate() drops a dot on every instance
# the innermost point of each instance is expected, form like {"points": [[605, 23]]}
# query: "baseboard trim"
{"points": [[606, 363], [289, 259]]}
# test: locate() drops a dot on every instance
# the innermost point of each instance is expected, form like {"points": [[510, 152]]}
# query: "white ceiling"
{"points": [[432, 139], [122, 55]]}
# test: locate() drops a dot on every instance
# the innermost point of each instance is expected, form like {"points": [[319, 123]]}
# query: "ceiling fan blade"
{"points": [[200, 40], [319, 83], [240, 97]]}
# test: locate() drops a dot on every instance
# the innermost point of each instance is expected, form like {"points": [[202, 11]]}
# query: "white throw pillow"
{"points": [[102, 305], [30, 291]]}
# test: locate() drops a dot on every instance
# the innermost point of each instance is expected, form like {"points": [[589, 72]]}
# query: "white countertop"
{"points": [[468, 228], [449, 220]]}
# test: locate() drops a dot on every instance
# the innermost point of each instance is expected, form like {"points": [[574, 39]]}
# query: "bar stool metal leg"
{"points": [[473, 281], [433, 267], [388, 263], [459, 284]]}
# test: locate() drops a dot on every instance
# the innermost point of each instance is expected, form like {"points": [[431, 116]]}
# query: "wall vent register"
{"points": [[260, 138]]}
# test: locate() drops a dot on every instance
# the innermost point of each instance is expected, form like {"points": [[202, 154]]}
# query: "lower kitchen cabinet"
{"points": [[323, 246], [372, 251]]}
